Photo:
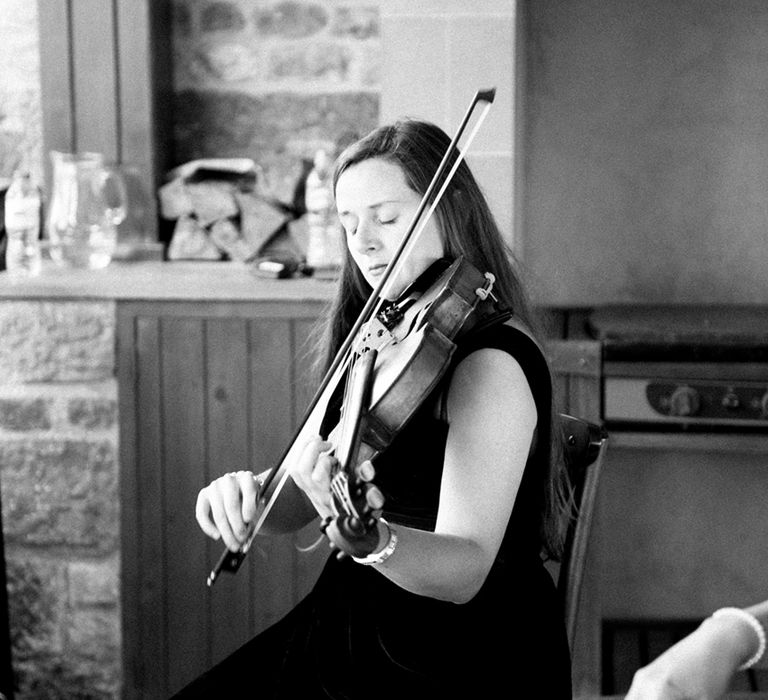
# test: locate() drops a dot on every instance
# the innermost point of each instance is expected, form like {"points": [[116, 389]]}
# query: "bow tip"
{"points": [[486, 95]]}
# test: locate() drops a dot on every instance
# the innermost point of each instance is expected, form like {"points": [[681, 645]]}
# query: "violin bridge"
{"points": [[374, 335]]}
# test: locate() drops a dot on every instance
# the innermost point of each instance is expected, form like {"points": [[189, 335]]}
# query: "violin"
{"points": [[401, 357], [392, 358]]}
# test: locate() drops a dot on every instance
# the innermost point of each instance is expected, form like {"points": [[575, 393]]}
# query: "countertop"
{"points": [[167, 281]]}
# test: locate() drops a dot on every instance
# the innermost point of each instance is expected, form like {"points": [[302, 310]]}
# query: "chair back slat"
{"points": [[584, 445]]}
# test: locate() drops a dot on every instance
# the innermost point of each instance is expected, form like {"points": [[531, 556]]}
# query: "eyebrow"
{"points": [[346, 212]]}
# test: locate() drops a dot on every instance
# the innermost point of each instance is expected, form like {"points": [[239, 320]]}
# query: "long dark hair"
{"points": [[468, 229]]}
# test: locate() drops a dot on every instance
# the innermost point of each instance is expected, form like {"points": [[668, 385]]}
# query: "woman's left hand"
{"points": [[312, 474], [363, 536]]}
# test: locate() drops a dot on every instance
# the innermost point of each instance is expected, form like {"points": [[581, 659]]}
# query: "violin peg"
{"points": [[357, 525]]}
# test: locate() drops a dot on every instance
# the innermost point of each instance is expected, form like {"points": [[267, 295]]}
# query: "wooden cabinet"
{"points": [[207, 388], [204, 389]]}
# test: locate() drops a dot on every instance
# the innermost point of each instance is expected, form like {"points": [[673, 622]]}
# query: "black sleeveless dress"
{"points": [[358, 635]]}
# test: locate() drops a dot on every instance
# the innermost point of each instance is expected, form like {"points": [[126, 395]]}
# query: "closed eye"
{"points": [[349, 224]]}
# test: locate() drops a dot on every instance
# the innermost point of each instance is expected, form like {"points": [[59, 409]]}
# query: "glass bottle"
{"points": [[22, 226]]}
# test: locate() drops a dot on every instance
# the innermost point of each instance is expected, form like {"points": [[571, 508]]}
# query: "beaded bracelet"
{"points": [[384, 554], [754, 623]]}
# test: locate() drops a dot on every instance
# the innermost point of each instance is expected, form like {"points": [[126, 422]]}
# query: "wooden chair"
{"points": [[584, 448]]}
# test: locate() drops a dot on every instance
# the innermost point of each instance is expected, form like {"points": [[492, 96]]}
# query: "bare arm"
{"points": [[492, 418], [701, 666]]}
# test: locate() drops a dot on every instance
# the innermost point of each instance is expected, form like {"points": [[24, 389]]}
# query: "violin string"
{"points": [[354, 356]]}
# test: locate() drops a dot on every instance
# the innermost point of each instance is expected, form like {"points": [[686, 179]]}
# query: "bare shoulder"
{"points": [[489, 379]]}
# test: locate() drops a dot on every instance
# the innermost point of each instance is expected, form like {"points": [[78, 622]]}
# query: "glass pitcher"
{"points": [[88, 201]]}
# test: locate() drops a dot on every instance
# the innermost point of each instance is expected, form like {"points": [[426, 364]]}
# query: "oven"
{"points": [[682, 514]]}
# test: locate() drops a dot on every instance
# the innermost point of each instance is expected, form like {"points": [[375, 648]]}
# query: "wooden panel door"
{"points": [[201, 395]]}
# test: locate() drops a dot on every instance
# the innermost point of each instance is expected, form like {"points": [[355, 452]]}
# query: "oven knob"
{"points": [[764, 405], [684, 401]]}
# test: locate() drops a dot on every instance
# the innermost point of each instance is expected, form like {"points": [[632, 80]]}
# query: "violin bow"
{"points": [[230, 561]]}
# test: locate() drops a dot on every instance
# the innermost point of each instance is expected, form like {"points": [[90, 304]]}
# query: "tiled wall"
{"points": [[437, 54]]}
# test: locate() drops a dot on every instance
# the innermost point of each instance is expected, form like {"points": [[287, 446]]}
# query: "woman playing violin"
{"points": [[454, 597]]}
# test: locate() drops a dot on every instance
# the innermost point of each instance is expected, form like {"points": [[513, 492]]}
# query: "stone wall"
{"points": [[274, 81], [60, 499]]}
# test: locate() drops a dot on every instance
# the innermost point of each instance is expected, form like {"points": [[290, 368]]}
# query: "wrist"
{"points": [[747, 633], [385, 548]]}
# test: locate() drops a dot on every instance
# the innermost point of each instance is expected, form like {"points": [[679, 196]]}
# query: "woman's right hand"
{"points": [[226, 508]]}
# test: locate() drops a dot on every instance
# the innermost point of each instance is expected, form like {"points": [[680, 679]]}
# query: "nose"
{"points": [[365, 238]]}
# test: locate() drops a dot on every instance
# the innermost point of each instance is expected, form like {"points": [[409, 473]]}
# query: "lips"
{"points": [[376, 269]]}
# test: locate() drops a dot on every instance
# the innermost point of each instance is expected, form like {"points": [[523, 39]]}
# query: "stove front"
{"points": [[681, 518]]}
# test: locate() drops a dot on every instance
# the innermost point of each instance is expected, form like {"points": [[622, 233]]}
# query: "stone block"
{"points": [[226, 62], [181, 20], [25, 414], [94, 583], [290, 20], [91, 413], [318, 61], [43, 341], [37, 601], [94, 634], [221, 16], [356, 22], [60, 493], [60, 652]]}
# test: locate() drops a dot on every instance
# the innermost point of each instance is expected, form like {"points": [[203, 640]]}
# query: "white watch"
{"points": [[384, 554]]}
